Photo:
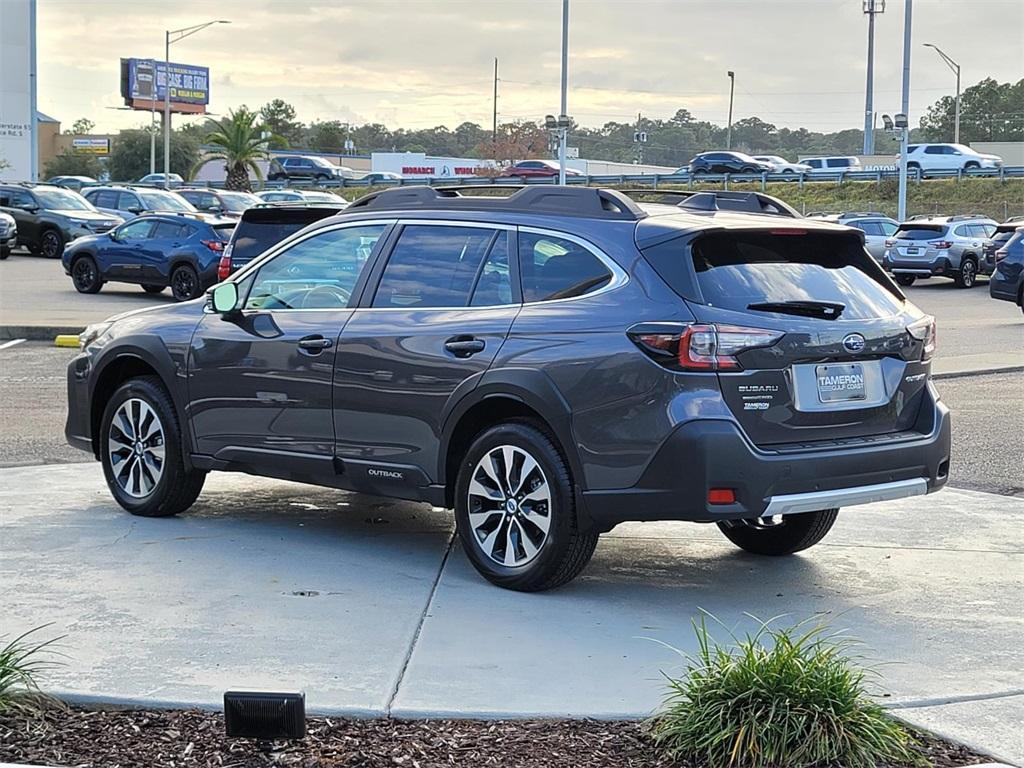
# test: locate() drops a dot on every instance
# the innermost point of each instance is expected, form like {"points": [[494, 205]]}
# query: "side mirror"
{"points": [[30, 207], [224, 298], [214, 208], [135, 209]]}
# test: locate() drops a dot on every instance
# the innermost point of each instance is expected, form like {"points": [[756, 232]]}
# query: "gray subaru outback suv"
{"points": [[939, 246], [548, 364]]}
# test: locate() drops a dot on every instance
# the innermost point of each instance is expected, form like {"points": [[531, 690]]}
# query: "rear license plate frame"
{"points": [[839, 383]]}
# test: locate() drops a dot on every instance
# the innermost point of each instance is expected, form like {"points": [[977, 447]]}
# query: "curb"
{"points": [[38, 332]]}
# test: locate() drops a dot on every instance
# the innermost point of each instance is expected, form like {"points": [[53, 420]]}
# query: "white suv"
{"points": [[948, 157], [842, 164]]}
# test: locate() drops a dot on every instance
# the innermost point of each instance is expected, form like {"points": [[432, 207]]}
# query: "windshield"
{"points": [[735, 271], [238, 201], [165, 201], [920, 232], [62, 200], [319, 161]]}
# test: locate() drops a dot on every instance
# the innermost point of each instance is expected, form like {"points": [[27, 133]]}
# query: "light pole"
{"points": [[563, 133], [181, 34], [732, 88], [956, 69], [908, 13], [871, 7]]}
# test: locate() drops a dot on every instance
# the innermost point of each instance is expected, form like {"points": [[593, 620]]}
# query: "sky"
{"points": [[424, 63]]}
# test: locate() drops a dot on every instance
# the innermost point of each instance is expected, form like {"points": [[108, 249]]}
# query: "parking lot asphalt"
{"points": [[370, 607], [988, 418]]}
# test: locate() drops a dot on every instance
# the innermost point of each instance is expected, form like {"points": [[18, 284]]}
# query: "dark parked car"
{"points": [[48, 217], [71, 182], [219, 201], [152, 251], [526, 169], [727, 162], [306, 168], [548, 365], [996, 241], [130, 201], [264, 227], [1007, 281]]}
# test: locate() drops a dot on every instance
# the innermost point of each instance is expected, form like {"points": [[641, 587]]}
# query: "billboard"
{"points": [[91, 146], [17, 90], [144, 79], [417, 165]]}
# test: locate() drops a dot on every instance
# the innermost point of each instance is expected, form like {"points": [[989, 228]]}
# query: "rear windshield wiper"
{"points": [[825, 309]]}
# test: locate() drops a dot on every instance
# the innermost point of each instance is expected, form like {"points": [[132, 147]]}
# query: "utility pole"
{"points": [[908, 14], [563, 133], [732, 87], [494, 130], [871, 7]]}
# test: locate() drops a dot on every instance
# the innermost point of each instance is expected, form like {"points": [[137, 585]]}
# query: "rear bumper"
{"points": [[938, 265], [702, 455]]}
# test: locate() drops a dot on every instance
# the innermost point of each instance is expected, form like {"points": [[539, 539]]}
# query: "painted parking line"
{"points": [[11, 343]]}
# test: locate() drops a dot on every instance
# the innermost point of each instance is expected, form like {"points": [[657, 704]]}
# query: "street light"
{"points": [[563, 133], [181, 35], [732, 87], [956, 68]]}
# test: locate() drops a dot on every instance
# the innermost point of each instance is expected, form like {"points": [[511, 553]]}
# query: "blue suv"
{"points": [[1007, 281], [547, 365], [152, 251]]}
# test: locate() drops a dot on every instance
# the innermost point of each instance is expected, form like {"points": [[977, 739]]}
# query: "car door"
{"points": [[23, 207], [167, 239], [122, 258], [260, 379], [441, 307], [874, 237]]}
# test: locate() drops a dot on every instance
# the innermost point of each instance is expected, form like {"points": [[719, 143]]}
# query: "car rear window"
{"points": [[735, 270], [224, 231], [253, 237], [920, 232]]}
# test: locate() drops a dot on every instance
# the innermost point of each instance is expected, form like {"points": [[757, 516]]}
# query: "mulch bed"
{"points": [[185, 739]]}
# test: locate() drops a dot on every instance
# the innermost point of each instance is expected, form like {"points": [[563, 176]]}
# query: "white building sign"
{"points": [[17, 102]]}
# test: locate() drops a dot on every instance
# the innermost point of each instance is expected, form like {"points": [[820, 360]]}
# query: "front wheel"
{"points": [[905, 280], [185, 283], [967, 275], [780, 535], [141, 451], [51, 244], [515, 510], [85, 275]]}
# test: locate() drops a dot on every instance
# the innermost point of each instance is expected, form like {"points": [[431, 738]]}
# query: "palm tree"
{"points": [[240, 142]]}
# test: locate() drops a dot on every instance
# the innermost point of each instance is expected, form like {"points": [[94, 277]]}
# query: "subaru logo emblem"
{"points": [[853, 342]]}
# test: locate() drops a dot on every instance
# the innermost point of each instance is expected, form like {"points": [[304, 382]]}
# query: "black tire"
{"points": [[967, 275], [153, 288], [793, 533], [749, 170], [185, 283], [971, 166], [905, 280], [86, 275], [563, 552], [788, 171], [701, 172], [51, 243], [322, 177], [176, 488]]}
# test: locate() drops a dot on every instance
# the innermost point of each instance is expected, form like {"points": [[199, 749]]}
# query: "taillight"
{"points": [[941, 244], [890, 243], [698, 346], [924, 331], [224, 267], [217, 246]]}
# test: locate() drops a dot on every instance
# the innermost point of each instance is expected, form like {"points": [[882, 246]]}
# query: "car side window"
{"points": [[433, 267], [494, 282], [934, 150], [838, 162], [106, 198], [136, 230], [167, 230], [813, 163], [128, 200], [555, 268], [319, 272], [888, 228], [963, 231], [18, 198]]}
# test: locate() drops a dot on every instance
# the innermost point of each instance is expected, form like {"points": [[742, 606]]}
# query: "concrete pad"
{"points": [[262, 584], [992, 725], [931, 585]]}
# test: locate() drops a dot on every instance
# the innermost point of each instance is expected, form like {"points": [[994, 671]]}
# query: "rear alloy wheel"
{"points": [[184, 283], [967, 275], [85, 275], [515, 510], [140, 448], [153, 288], [905, 280], [779, 535], [51, 244]]}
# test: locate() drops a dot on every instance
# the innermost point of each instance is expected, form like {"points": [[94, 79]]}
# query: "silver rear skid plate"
{"points": [[795, 503]]}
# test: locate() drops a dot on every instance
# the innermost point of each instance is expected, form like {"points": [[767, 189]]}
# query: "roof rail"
{"points": [[707, 200], [967, 216], [852, 214], [585, 202], [922, 216]]}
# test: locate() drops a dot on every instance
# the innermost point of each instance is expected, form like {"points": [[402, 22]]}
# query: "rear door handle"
{"points": [[464, 346], [315, 343]]}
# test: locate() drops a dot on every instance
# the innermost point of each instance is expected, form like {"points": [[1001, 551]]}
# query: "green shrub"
{"points": [[21, 660], [780, 697]]}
